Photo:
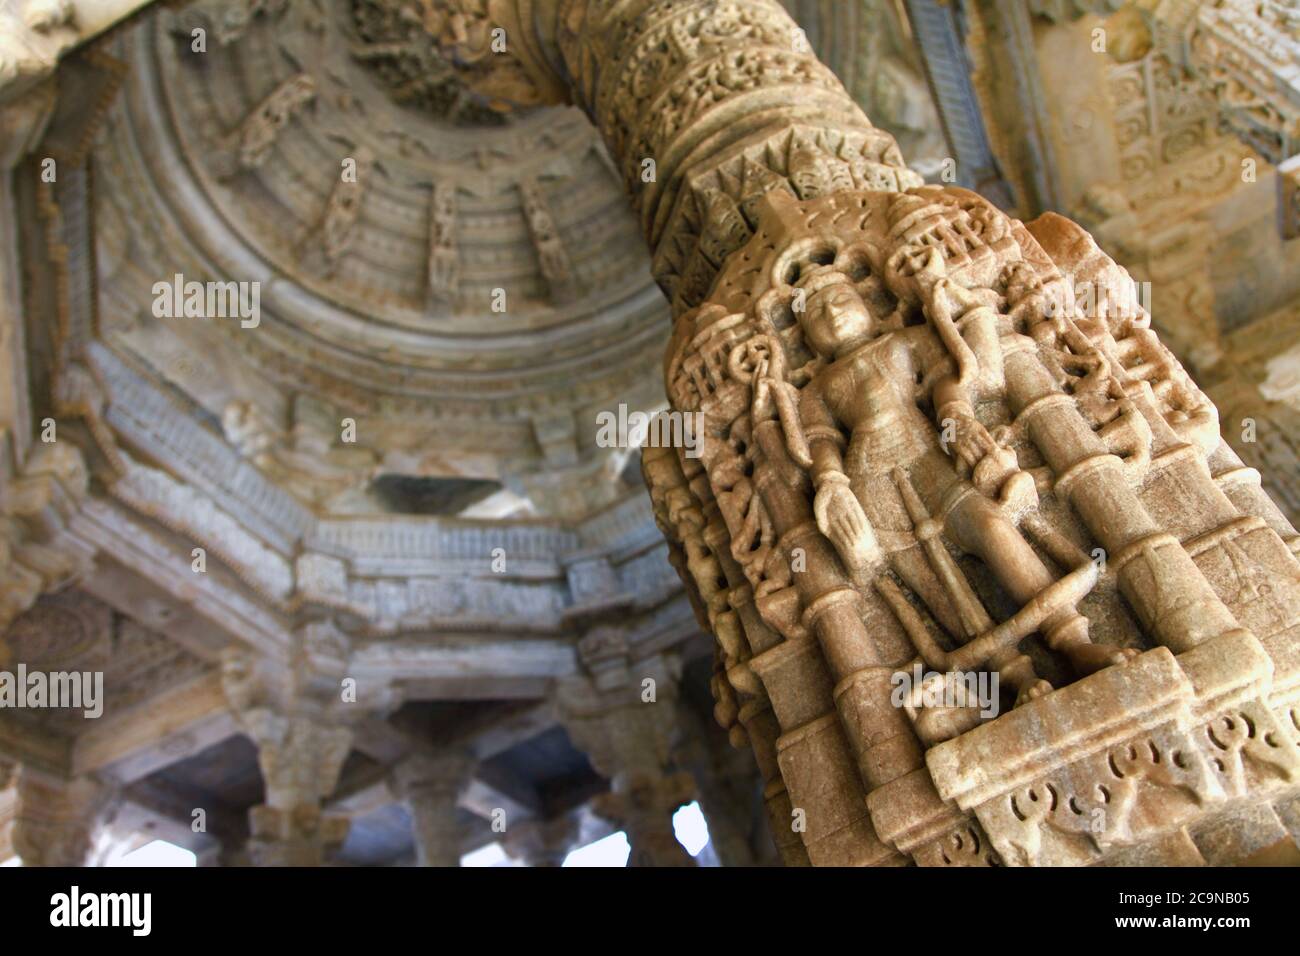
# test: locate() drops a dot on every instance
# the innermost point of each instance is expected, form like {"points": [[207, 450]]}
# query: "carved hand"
{"points": [[840, 517], [971, 441]]}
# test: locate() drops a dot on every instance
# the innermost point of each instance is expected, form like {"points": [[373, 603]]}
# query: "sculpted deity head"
{"points": [[835, 318]]}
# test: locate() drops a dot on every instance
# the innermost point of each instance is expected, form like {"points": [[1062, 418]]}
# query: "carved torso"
{"points": [[869, 392]]}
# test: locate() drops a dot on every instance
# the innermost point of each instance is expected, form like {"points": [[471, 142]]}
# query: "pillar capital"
{"points": [[604, 654], [541, 843], [36, 554], [435, 771], [623, 714], [301, 725]]}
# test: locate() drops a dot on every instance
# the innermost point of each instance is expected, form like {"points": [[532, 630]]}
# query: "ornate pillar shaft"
{"points": [[706, 108], [726, 784], [431, 785], [296, 719], [623, 715], [300, 762]]}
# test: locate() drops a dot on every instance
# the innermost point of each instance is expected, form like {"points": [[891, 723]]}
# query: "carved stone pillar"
{"points": [[36, 555], [55, 819], [929, 426], [41, 484], [299, 725], [643, 806], [431, 785], [300, 763], [623, 715], [541, 843], [22, 123], [727, 782]]}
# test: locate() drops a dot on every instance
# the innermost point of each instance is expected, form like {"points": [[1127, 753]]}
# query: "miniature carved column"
{"points": [[541, 843], [55, 819], [623, 715], [724, 603], [432, 784], [299, 724]]}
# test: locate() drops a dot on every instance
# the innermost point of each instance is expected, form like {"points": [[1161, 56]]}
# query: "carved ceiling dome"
{"points": [[457, 279], [56, 634]]}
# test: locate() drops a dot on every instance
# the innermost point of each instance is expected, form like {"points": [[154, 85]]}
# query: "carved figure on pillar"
{"points": [[877, 372]]}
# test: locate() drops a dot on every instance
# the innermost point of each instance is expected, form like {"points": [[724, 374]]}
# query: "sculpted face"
{"points": [[836, 319]]}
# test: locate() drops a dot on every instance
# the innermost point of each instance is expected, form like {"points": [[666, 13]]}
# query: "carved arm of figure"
{"points": [[839, 514], [775, 397], [968, 328]]}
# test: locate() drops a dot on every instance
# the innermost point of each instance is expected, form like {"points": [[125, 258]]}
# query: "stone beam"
{"points": [[495, 789], [175, 723], [499, 733], [148, 800], [463, 657], [165, 560], [145, 601], [481, 688], [484, 738], [135, 816]]}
